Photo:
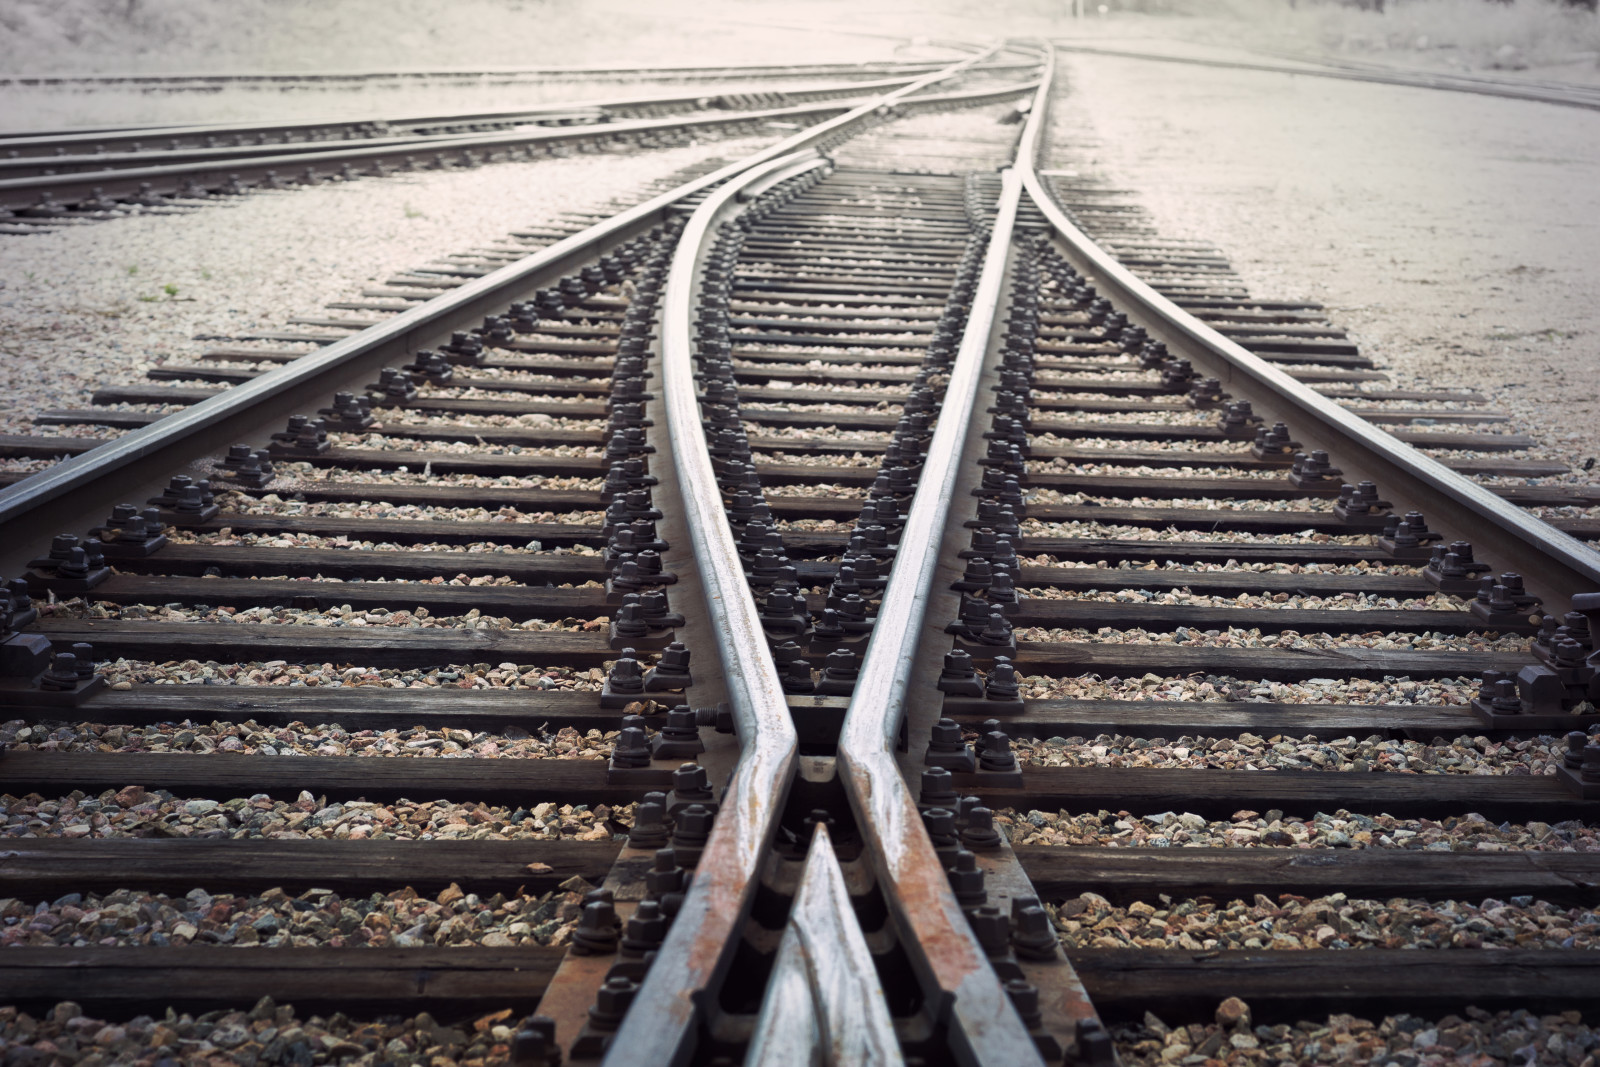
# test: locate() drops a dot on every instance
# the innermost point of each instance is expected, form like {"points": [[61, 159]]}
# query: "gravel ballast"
{"points": [[1332, 190], [274, 919], [134, 811], [266, 1034], [1337, 922], [1475, 1037], [89, 306], [1461, 755], [1468, 832]]}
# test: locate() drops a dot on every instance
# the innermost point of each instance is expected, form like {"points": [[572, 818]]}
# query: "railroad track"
{"points": [[484, 76], [69, 152], [843, 431], [41, 193], [29, 153]]}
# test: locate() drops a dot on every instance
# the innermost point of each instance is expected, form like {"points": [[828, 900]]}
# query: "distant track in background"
{"points": [[831, 505], [1565, 95]]}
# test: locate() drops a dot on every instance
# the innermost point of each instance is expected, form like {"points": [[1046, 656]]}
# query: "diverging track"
{"points": [[803, 497]]}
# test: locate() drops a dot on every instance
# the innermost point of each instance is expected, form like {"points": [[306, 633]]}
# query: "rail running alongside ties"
{"points": [[859, 483], [51, 190], [1566, 94], [942, 901], [495, 75], [68, 152], [139, 543]]}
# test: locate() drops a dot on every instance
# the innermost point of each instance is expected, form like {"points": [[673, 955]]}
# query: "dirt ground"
{"points": [[1453, 234]]}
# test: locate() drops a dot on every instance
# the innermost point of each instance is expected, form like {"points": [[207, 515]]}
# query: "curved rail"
{"points": [[161, 442], [1553, 563], [20, 194], [958, 980], [912, 876], [768, 750], [914, 879], [703, 935], [824, 1001], [197, 143], [707, 72]]}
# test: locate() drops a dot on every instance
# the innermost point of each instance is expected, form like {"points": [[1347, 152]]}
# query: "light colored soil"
{"points": [[1453, 235], [88, 306]]}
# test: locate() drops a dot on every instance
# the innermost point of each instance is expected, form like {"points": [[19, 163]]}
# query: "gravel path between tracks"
{"points": [[803, 459], [1234, 637], [380, 443], [335, 618], [1170, 567], [1457, 692], [1304, 505], [134, 812], [1335, 602], [274, 919], [226, 536], [298, 739], [1035, 528], [1273, 829], [1464, 754], [93, 305], [395, 418], [1336, 922], [1062, 465], [1356, 195], [271, 504], [292, 476], [1044, 441], [122, 673], [948, 142], [1481, 1038], [265, 1034], [829, 433]]}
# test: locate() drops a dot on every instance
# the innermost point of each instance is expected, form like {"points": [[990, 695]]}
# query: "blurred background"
{"points": [[1535, 36]]}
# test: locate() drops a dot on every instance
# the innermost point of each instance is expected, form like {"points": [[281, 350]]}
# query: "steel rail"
{"points": [[701, 937], [1555, 565], [706, 927], [984, 1028], [824, 1003], [21, 193], [701, 942], [1535, 93], [163, 442], [396, 126], [752, 71], [1576, 90], [723, 885]]}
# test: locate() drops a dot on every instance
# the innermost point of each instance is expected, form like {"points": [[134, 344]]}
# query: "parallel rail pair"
{"points": [[822, 1001], [202, 172]]}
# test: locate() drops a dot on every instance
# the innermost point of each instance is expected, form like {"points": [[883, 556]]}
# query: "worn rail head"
{"points": [[152, 452], [705, 932], [982, 1021]]}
